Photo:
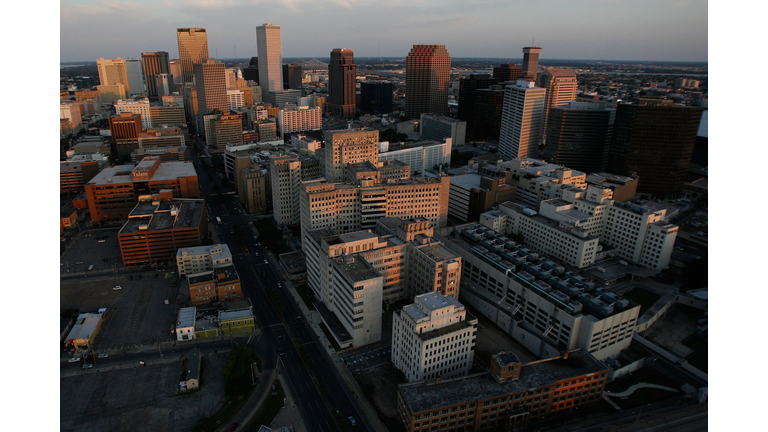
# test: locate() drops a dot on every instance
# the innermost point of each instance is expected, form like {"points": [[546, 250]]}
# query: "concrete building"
{"points": [[348, 146], [156, 230], [217, 285], [161, 137], [124, 129], [255, 190], [270, 60], [302, 142], [537, 302], [167, 115], [140, 106], [522, 120], [438, 128], [473, 194], [561, 86], [166, 154], [427, 74], [111, 93], [235, 321], [640, 234], [72, 114], [173, 99], [506, 397], [154, 63], [114, 191], [287, 174], [73, 175], [210, 85], [193, 48], [135, 79], [468, 88], [198, 259], [530, 63], [579, 135], [185, 324], [433, 338], [341, 83], [178, 75], [623, 187], [235, 99], [113, 71], [225, 130], [292, 75], [421, 156], [299, 120]]}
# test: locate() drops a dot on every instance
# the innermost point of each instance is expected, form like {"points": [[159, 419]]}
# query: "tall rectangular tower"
{"points": [[521, 120], [193, 48], [579, 135], [154, 63], [113, 72], [530, 63], [211, 87], [341, 83], [270, 53], [427, 73], [135, 80], [561, 86]]}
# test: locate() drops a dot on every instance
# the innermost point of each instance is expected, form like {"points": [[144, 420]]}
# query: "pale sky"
{"points": [[656, 30]]}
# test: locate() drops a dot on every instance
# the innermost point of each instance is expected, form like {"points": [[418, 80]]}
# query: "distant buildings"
{"points": [[211, 87], [154, 63], [113, 72], [341, 83], [421, 155], [427, 74], [507, 72], [433, 338], [468, 88], [530, 63], [300, 119], [561, 86], [193, 48], [217, 285]]}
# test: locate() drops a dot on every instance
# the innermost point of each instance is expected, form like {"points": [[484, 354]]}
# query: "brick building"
{"points": [[219, 284]]}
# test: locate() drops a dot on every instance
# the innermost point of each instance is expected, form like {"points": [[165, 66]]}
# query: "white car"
{"points": [[279, 286], [74, 360], [87, 365], [117, 288], [266, 262], [101, 241], [103, 355]]}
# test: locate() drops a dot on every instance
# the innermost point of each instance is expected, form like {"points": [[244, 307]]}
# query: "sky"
{"points": [[648, 30]]}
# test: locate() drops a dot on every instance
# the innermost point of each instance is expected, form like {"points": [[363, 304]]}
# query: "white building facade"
{"points": [[522, 119], [140, 106], [201, 259], [422, 157]]}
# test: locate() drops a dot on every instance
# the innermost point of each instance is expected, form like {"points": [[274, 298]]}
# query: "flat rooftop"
{"points": [[166, 171], [412, 145], [84, 326], [357, 270], [318, 234], [442, 331], [156, 217], [438, 252], [235, 314], [293, 260], [357, 235], [506, 358], [186, 317], [428, 395], [467, 181], [435, 300]]}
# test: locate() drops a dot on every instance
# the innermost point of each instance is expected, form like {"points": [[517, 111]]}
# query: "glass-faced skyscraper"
{"points": [[270, 50], [427, 73], [193, 48]]}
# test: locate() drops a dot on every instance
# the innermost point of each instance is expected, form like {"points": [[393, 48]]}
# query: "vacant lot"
{"points": [[380, 387], [141, 398], [136, 314], [89, 251]]}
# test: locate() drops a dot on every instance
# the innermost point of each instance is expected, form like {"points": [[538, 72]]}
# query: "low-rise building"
{"points": [[185, 324], [422, 155], [237, 321], [192, 372], [84, 331], [294, 264], [199, 259], [217, 285], [433, 338], [506, 397]]}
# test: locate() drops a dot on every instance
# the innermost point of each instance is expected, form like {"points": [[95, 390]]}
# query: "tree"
{"points": [[237, 370]]}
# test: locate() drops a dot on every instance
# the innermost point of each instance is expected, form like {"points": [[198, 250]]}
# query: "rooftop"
{"points": [[176, 214], [84, 327], [355, 268], [435, 300], [437, 251], [122, 173], [193, 364], [235, 314], [202, 250], [186, 317], [428, 395], [451, 328], [293, 260], [468, 181], [506, 358]]}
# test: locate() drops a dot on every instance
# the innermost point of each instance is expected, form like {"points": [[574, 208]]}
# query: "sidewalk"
{"points": [[254, 402], [314, 319]]}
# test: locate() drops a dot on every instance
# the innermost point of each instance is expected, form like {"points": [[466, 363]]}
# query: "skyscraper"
{"points": [[135, 80], [113, 72], [467, 92], [530, 63], [427, 72], [211, 87], [292, 75], [154, 63], [193, 48], [561, 86], [578, 136], [656, 142], [507, 72], [376, 97], [521, 120], [270, 58], [341, 83], [489, 105]]}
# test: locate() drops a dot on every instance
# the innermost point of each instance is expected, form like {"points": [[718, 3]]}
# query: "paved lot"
{"points": [[385, 379], [366, 358], [89, 251], [136, 314], [142, 398]]}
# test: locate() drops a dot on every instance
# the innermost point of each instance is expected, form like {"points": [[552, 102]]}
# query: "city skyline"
{"points": [[649, 31]]}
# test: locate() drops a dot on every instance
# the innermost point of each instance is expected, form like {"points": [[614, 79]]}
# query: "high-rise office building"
{"points": [[178, 76], [135, 79], [292, 75], [467, 93], [113, 72], [376, 97], [561, 86], [251, 73], [270, 58], [427, 74], [228, 130], [341, 83], [507, 72], [530, 63], [193, 48], [486, 121], [656, 142], [579, 135], [521, 120], [211, 87], [154, 63]]}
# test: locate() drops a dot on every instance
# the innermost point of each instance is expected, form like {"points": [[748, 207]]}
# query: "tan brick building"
{"points": [[219, 284]]}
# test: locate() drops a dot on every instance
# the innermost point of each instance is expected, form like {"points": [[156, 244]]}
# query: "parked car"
{"points": [[141, 362], [117, 288], [103, 355], [87, 365], [101, 241], [352, 421], [90, 267], [74, 360], [266, 262]]}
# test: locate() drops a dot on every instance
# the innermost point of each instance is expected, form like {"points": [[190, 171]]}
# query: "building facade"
{"points": [[270, 60], [193, 48], [341, 83], [521, 120], [348, 146], [427, 74], [438, 128], [561, 86], [193, 260], [299, 120], [210, 86], [376, 97], [154, 63], [579, 135]]}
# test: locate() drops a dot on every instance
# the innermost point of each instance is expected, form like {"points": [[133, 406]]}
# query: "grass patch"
{"points": [[643, 396], [643, 297], [268, 410], [330, 338], [306, 295]]}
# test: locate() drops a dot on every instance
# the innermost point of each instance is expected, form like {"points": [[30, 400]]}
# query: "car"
{"points": [[266, 262], [101, 241], [102, 355], [74, 360], [90, 267], [78, 262], [255, 253], [352, 421], [117, 288], [87, 365], [141, 362], [280, 351], [279, 286]]}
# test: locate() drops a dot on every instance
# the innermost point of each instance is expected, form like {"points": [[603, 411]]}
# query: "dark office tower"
{"points": [[530, 63], [193, 48], [656, 142], [376, 97], [154, 63], [468, 88], [341, 83], [251, 73], [292, 75], [489, 104], [254, 62], [211, 87], [507, 72], [427, 74], [579, 136]]}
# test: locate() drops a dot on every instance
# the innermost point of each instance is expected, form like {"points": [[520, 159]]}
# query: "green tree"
{"points": [[237, 370]]}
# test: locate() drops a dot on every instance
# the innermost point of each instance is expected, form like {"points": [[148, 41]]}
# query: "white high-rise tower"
{"points": [[270, 53], [522, 118]]}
